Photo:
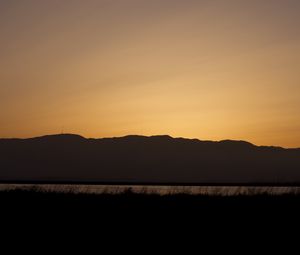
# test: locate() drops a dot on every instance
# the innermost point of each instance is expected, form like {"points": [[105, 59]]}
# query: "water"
{"points": [[161, 190]]}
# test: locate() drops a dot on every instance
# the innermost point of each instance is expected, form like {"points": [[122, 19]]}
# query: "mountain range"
{"points": [[140, 159]]}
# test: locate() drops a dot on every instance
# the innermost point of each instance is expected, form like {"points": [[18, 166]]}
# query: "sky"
{"points": [[206, 69]]}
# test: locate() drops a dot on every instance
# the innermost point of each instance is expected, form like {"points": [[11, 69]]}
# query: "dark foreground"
{"points": [[133, 216], [132, 204]]}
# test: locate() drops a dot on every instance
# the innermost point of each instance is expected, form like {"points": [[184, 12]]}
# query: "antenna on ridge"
{"points": [[62, 130]]}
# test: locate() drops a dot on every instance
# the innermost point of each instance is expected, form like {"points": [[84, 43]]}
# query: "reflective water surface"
{"points": [[162, 190]]}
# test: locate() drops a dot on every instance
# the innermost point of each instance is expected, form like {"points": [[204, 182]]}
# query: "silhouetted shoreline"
{"points": [[129, 211], [154, 189], [33, 199], [158, 184]]}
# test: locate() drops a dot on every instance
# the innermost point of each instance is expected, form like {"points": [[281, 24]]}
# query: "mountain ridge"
{"points": [[142, 159], [70, 136]]}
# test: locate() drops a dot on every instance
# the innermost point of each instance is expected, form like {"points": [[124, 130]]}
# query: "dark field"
{"points": [[148, 217], [145, 216], [130, 204]]}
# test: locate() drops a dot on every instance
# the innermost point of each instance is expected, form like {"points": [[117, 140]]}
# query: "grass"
{"points": [[36, 208], [142, 201]]}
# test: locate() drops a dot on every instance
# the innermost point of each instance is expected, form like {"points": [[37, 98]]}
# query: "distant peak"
{"points": [[133, 136], [60, 137], [162, 136], [145, 137], [236, 142]]}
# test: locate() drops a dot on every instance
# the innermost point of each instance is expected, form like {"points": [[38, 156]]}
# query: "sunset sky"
{"points": [[207, 69]]}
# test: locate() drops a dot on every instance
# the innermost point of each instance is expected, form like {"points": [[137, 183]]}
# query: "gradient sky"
{"points": [[207, 69]]}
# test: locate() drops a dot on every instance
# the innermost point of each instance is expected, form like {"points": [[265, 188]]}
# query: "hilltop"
{"points": [[142, 159]]}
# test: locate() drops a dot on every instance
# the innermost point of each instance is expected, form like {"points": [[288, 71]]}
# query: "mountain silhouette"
{"points": [[141, 159]]}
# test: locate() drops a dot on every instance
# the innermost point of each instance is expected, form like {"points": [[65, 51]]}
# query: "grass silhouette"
{"points": [[141, 212]]}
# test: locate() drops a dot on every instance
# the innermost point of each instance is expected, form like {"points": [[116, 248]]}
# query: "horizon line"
{"points": [[145, 136]]}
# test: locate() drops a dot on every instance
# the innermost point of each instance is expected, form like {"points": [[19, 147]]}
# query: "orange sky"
{"points": [[209, 69]]}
